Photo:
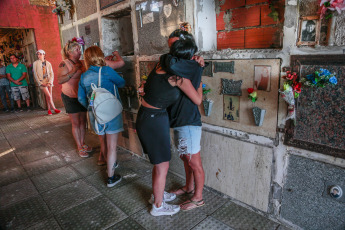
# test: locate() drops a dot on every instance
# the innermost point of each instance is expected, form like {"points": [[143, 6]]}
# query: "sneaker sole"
{"points": [[164, 214], [112, 185], [166, 200]]}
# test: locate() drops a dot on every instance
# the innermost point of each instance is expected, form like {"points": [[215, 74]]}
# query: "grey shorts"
{"points": [[187, 139], [20, 91]]}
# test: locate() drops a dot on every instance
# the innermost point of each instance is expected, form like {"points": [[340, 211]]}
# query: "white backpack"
{"points": [[105, 106]]}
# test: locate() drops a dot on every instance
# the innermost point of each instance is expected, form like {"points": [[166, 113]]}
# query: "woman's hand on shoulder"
{"points": [[200, 60]]}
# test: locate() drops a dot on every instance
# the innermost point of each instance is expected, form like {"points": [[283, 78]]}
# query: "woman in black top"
{"points": [[162, 90]]}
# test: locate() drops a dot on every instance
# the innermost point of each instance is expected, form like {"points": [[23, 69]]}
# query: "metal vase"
{"points": [[60, 18], [259, 115], [207, 107]]}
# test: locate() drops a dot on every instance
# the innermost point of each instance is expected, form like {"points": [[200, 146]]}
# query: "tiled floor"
{"points": [[44, 184]]}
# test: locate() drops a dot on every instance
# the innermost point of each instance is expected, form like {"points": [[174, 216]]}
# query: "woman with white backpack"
{"points": [[98, 91]]}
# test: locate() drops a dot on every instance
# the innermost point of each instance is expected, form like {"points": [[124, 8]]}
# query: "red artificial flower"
{"points": [[250, 90], [289, 76], [297, 87], [74, 39]]}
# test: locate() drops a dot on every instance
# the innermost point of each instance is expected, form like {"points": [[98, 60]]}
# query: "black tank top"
{"points": [[158, 91]]}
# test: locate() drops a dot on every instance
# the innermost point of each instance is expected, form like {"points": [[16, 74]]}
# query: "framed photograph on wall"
{"points": [[262, 77], [309, 30]]}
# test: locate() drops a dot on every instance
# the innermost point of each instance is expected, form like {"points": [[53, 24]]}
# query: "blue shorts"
{"points": [[187, 139], [111, 127]]}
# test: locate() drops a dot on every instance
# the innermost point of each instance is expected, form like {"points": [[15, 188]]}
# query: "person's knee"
{"points": [[195, 162], [75, 121]]}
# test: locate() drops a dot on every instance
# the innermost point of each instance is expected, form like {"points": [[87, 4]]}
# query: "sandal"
{"points": [[87, 148], [191, 204], [101, 163], [183, 192], [83, 153]]}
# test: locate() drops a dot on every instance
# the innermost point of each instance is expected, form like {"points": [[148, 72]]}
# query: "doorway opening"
{"points": [[21, 42]]}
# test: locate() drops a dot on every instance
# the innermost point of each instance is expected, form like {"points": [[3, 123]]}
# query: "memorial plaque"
{"points": [[227, 67], [320, 120], [208, 70], [231, 87]]}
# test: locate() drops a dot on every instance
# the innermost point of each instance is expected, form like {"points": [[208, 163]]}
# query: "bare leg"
{"points": [[48, 93], [111, 153], [75, 120], [199, 176], [159, 175], [18, 104], [103, 154], [27, 102], [189, 174], [82, 127]]}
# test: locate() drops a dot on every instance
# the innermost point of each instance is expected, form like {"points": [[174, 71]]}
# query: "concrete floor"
{"points": [[44, 184]]}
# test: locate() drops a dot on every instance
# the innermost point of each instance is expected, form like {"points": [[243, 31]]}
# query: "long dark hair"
{"points": [[183, 48]]}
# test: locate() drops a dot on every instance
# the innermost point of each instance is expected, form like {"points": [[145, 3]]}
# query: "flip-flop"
{"points": [[101, 163], [184, 191], [191, 204]]}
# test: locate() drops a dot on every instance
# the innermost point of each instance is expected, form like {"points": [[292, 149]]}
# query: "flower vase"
{"points": [[69, 14], [259, 115], [207, 106], [60, 18]]}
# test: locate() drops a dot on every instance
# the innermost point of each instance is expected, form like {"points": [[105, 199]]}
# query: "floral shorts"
{"points": [[20, 91]]}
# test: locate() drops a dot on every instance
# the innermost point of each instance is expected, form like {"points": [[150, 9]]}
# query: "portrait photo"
{"points": [[262, 77], [309, 30]]}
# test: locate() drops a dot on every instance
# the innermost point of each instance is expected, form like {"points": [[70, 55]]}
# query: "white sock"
{"points": [[154, 206]]}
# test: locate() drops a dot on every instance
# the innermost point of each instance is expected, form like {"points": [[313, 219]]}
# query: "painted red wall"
{"points": [[20, 14]]}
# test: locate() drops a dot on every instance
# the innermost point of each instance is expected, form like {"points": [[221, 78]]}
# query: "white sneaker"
{"points": [[166, 197], [165, 209]]}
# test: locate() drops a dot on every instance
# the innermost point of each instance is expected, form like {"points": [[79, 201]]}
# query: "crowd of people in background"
{"points": [[169, 99]]}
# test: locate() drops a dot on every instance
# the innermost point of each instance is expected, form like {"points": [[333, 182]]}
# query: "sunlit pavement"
{"points": [[44, 184]]}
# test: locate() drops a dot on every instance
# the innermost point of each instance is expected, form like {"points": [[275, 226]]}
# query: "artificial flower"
{"points": [[253, 96], [250, 90], [320, 78], [333, 80], [205, 89], [332, 5]]}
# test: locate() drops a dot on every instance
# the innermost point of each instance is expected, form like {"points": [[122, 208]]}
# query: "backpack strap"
{"points": [[99, 83], [99, 77]]}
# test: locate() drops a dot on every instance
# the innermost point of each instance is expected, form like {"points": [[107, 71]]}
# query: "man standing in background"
{"points": [[16, 73], [5, 89]]}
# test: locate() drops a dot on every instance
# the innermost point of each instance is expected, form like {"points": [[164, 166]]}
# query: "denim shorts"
{"points": [[187, 139], [111, 127]]}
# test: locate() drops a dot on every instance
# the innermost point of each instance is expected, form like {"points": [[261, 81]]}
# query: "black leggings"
{"points": [[154, 133]]}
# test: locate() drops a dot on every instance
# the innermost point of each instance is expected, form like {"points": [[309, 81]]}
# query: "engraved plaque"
{"points": [[224, 67], [231, 87], [208, 70]]}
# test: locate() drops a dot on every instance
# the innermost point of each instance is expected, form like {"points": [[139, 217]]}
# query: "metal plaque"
{"points": [[224, 67], [231, 87]]}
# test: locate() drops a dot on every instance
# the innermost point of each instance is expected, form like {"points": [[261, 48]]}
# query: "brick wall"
{"points": [[21, 14], [245, 24]]}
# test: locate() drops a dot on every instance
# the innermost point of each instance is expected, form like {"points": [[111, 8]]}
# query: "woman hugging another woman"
{"points": [[161, 91]]}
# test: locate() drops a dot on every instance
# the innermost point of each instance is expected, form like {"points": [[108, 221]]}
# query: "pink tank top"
{"points": [[70, 88]]}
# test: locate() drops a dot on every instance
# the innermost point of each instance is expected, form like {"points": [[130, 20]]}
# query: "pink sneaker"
{"points": [[49, 112], [57, 111]]}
